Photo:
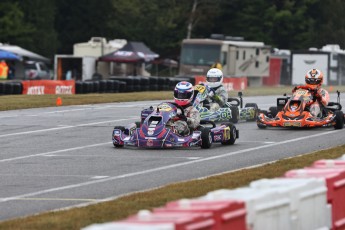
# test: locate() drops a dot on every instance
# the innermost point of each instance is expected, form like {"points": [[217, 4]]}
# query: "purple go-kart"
{"points": [[157, 130]]}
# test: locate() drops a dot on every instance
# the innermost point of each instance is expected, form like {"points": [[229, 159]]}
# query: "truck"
{"points": [[82, 64], [330, 59], [239, 58]]}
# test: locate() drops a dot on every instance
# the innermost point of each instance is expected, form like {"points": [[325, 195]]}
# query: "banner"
{"points": [[40, 87], [230, 83]]}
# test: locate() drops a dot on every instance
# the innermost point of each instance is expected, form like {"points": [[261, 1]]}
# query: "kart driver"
{"points": [[218, 94], [183, 95], [314, 80]]}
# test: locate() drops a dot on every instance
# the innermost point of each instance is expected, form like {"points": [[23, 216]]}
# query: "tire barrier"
{"points": [[304, 199], [114, 84]]}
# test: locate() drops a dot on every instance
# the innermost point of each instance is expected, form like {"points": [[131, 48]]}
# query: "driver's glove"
{"points": [[211, 93]]}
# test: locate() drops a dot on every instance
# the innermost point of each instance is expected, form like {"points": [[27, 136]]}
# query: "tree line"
{"points": [[54, 26]]}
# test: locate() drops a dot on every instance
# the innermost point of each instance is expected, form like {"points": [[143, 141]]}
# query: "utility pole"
{"points": [[191, 19]]}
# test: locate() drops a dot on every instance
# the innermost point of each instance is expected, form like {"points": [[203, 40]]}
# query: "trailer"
{"points": [[67, 67]]}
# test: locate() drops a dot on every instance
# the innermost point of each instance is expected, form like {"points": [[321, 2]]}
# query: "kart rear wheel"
{"points": [[233, 134], [206, 138], [122, 128], [255, 106], [339, 119], [261, 126], [235, 114], [273, 110]]}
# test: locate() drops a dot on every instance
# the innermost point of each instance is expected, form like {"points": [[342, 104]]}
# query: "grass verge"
{"points": [[123, 207], [12, 102]]}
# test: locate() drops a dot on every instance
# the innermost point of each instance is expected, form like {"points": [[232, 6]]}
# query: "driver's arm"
{"points": [[193, 117]]}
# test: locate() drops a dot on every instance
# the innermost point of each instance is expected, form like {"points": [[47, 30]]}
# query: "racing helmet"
{"points": [[314, 78], [214, 77], [183, 93]]}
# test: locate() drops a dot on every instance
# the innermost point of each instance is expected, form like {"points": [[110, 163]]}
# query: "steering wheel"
{"points": [[179, 107]]}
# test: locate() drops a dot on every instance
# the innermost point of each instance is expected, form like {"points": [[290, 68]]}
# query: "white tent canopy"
{"points": [[23, 53]]}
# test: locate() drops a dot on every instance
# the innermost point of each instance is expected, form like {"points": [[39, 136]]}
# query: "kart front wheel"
{"points": [[206, 138], [339, 119], [122, 128], [233, 134]]}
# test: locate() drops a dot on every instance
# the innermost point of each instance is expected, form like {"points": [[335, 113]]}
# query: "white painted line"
{"points": [[99, 177], [4, 199], [52, 152], [66, 127], [117, 156]]}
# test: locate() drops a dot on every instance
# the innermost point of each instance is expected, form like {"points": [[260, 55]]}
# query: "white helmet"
{"points": [[214, 77]]}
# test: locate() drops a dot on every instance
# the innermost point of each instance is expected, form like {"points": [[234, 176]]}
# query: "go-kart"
{"points": [[157, 130], [295, 112], [232, 111]]}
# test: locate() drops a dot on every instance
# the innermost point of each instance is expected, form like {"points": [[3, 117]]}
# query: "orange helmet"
{"points": [[314, 78]]}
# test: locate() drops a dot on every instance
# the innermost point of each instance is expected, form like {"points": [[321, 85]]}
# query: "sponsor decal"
{"points": [[227, 133], [164, 107], [149, 142], [63, 89], [292, 124], [217, 137], [36, 90], [116, 132], [126, 138], [150, 132]]}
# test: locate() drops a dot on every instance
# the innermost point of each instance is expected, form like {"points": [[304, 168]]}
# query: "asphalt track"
{"points": [[59, 157]]}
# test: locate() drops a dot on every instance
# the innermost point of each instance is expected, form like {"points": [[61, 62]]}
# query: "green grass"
{"points": [[34, 101], [127, 205]]}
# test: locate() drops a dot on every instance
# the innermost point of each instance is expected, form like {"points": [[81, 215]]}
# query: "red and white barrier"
{"points": [[335, 181], [226, 214], [304, 199]]}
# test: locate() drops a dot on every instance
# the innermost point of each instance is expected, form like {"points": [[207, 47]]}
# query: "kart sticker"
{"points": [[217, 137], [165, 107], [200, 88], [227, 133], [292, 124], [149, 142]]}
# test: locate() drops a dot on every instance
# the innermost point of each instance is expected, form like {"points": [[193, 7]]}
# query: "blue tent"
{"points": [[6, 55]]}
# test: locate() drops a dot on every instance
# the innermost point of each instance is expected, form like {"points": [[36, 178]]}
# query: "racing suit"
{"points": [[219, 98], [183, 127], [322, 99]]}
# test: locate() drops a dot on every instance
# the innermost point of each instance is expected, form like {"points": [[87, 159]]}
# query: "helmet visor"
{"points": [[213, 79], [183, 94], [313, 81]]}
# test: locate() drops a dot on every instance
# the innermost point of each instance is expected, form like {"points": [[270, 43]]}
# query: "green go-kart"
{"points": [[233, 110]]}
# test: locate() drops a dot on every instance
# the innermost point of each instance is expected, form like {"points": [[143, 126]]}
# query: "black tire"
{"points": [[122, 128], [206, 138], [253, 105], [273, 110], [233, 134], [339, 119], [235, 114], [261, 126]]}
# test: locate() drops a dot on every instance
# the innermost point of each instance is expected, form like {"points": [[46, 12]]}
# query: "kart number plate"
{"points": [[292, 124], [200, 88]]}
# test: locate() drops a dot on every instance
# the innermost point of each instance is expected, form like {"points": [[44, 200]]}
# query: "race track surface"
{"points": [[59, 157]]}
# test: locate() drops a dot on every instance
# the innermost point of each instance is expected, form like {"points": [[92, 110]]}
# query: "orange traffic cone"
{"points": [[330, 88], [58, 101]]}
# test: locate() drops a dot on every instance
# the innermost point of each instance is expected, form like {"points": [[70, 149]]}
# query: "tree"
{"points": [[14, 29]]}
